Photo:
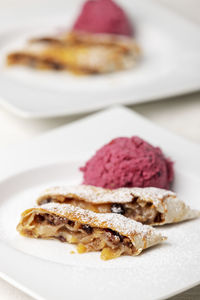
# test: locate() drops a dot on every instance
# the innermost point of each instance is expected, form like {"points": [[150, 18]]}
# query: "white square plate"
{"points": [[46, 269], [170, 64]]}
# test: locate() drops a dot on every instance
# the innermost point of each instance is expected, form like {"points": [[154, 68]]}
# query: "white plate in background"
{"points": [[46, 269], [170, 64]]}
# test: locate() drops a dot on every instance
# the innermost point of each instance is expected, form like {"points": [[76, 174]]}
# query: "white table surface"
{"points": [[181, 115]]}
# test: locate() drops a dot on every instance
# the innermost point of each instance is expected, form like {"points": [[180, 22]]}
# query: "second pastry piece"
{"points": [[150, 206]]}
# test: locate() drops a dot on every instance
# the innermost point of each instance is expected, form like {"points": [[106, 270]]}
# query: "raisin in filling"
{"points": [[91, 238], [87, 228], [117, 208], [138, 210]]}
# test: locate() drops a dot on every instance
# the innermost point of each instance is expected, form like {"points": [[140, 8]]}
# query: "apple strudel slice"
{"points": [[78, 53], [150, 206], [112, 234]]}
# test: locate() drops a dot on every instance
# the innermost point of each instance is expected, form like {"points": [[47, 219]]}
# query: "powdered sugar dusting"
{"points": [[166, 202], [99, 195], [116, 222]]}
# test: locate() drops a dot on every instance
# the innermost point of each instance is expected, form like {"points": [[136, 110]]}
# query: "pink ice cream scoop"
{"points": [[103, 16], [128, 162]]}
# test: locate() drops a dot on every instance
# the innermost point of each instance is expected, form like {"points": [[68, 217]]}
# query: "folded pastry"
{"points": [[112, 234], [151, 206], [79, 53]]}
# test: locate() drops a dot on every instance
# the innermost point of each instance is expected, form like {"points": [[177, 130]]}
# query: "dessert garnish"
{"points": [[100, 41], [128, 162]]}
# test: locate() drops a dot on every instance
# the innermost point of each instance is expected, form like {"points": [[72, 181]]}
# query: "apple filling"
{"points": [[138, 210], [87, 238]]}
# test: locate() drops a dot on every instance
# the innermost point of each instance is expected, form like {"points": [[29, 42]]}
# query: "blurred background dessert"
{"points": [[100, 41]]}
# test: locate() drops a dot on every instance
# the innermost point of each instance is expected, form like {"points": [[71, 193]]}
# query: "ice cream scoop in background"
{"points": [[103, 16], [128, 162], [124, 162]]}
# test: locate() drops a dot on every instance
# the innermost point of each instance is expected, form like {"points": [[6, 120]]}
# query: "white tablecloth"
{"points": [[181, 115]]}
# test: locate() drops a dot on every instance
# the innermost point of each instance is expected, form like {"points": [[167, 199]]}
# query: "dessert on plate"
{"points": [[100, 41], [128, 162], [112, 234], [150, 206]]}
